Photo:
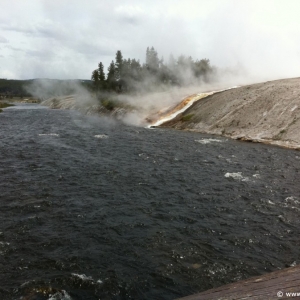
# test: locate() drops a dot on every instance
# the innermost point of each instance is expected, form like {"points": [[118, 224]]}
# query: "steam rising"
{"points": [[141, 107], [49, 88]]}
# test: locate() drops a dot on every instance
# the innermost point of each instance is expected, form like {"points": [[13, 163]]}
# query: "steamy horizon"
{"points": [[67, 39]]}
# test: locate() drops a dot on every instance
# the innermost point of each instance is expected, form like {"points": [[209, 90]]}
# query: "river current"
{"points": [[94, 209]]}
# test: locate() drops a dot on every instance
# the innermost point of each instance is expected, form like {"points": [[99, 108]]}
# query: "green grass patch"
{"points": [[4, 105], [109, 104], [187, 117], [279, 135]]}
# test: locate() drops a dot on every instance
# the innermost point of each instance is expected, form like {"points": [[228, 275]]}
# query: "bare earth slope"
{"points": [[265, 112]]}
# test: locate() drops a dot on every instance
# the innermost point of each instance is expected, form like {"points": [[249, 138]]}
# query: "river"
{"points": [[94, 209]]}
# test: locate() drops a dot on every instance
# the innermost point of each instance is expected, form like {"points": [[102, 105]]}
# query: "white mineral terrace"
{"points": [[183, 106]]}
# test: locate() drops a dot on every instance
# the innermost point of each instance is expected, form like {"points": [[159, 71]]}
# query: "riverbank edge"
{"points": [[282, 283], [267, 113]]}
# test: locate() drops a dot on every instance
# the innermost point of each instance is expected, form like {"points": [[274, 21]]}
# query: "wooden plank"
{"points": [[261, 287]]}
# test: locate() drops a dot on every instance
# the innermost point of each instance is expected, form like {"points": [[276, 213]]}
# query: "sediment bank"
{"points": [[266, 112]]}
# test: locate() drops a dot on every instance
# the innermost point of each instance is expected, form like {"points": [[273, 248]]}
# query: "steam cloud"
{"points": [[147, 100]]}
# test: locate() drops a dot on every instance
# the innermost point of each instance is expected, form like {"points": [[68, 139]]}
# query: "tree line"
{"points": [[128, 75], [10, 88]]}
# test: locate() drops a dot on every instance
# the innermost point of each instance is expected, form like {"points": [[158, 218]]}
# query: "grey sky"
{"points": [[68, 38]]}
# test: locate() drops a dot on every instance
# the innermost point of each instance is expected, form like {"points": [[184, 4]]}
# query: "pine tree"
{"points": [[126, 75], [152, 60], [147, 56], [135, 69], [101, 72], [111, 76], [95, 79], [202, 68], [119, 65], [172, 62]]}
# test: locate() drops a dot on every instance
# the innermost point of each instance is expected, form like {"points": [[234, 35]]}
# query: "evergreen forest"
{"points": [[129, 75]]}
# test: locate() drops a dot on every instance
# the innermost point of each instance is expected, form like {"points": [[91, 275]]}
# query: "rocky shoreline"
{"points": [[88, 106], [266, 112]]}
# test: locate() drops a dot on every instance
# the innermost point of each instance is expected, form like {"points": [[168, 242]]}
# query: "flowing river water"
{"points": [[93, 209]]}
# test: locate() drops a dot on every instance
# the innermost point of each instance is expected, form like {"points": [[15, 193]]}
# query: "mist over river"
{"points": [[94, 209]]}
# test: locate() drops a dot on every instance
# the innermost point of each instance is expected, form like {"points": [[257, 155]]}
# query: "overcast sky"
{"points": [[66, 39]]}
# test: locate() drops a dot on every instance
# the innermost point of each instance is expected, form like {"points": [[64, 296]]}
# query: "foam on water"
{"points": [[237, 176], [4, 248], [101, 136], [208, 141], [62, 295], [83, 277], [292, 199], [48, 134]]}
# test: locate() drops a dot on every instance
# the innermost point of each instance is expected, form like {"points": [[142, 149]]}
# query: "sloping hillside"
{"points": [[266, 112]]}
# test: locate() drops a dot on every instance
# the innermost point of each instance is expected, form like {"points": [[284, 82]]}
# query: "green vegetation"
{"points": [[279, 135], [10, 89], [187, 117], [109, 104], [129, 75], [124, 75], [4, 105], [13, 88]]}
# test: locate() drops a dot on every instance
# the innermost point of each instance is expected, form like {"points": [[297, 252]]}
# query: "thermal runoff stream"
{"points": [[94, 209], [171, 113]]}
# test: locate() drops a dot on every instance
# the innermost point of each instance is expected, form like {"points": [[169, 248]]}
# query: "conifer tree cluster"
{"points": [[127, 75]]}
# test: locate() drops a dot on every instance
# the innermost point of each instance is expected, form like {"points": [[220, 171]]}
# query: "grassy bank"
{"points": [[4, 105]]}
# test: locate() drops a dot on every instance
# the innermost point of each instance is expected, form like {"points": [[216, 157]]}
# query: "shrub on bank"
{"points": [[4, 105], [187, 117], [109, 104]]}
